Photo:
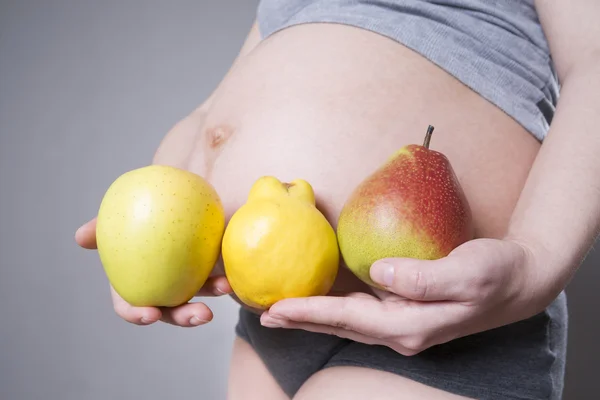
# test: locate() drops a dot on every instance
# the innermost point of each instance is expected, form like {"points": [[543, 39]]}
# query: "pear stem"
{"points": [[428, 136]]}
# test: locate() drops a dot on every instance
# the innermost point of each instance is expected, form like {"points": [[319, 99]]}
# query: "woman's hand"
{"points": [[483, 284], [174, 150], [186, 315]]}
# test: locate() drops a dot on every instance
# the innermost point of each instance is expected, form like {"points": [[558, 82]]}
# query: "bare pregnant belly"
{"points": [[329, 103]]}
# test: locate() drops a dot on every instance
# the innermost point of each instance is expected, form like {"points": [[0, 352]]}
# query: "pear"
{"points": [[412, 206], [159, 232]]}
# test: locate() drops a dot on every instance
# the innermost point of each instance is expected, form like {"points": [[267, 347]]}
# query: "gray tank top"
{"points": [[495, 47]]}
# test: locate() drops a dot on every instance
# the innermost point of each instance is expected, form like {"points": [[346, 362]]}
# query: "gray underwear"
{"points": [[495, 47], [524, 360]]}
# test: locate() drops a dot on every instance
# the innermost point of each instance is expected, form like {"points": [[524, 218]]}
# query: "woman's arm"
{"points": [[559, 209]]}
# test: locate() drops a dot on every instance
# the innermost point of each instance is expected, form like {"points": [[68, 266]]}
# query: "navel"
{"points": [[217, 135]]}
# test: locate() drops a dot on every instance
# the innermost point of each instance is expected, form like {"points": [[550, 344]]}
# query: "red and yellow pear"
{"points": [[412, 206]]}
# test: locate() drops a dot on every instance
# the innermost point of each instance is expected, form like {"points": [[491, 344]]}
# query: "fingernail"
{"points": [[272, 321], [271, 324], [146, 320], [383, 273], [219, 292], [195, 320]]}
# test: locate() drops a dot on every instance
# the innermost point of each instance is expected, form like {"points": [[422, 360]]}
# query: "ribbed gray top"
{"points": [[495, 47]]}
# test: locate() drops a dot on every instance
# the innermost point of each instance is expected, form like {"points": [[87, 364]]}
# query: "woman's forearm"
{"points": [[558, 212]]}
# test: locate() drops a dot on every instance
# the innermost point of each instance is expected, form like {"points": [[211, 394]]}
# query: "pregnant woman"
{"points": [[326, 91]]}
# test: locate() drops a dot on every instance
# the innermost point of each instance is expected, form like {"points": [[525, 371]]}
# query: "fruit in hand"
{"points": [[278, 245], [412, 206], [159, 232]]}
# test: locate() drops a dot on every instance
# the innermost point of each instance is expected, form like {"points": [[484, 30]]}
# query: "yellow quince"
{"points": [[279, 245]]}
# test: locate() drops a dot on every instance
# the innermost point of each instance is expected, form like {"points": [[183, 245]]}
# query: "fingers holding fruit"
{"points": [[482, 285], [215, 286], [86, 235], [477, 271], [134, 315], [186, 315], [158, 233]]}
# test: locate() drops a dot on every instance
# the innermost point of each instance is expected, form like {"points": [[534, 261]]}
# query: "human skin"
{"points": [[276, 114]]}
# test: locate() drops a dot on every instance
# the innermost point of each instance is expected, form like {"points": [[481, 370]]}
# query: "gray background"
{"points": [[85, 82]]}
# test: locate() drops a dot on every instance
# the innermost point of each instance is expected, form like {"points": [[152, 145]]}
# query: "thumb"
{"points": [[86, 235], [422, 280]]}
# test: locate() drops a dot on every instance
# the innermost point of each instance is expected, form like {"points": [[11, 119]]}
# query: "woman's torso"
{"points": [[307, 103]]}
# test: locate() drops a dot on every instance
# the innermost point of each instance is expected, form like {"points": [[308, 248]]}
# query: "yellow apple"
{"points": [[159, 232]]}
